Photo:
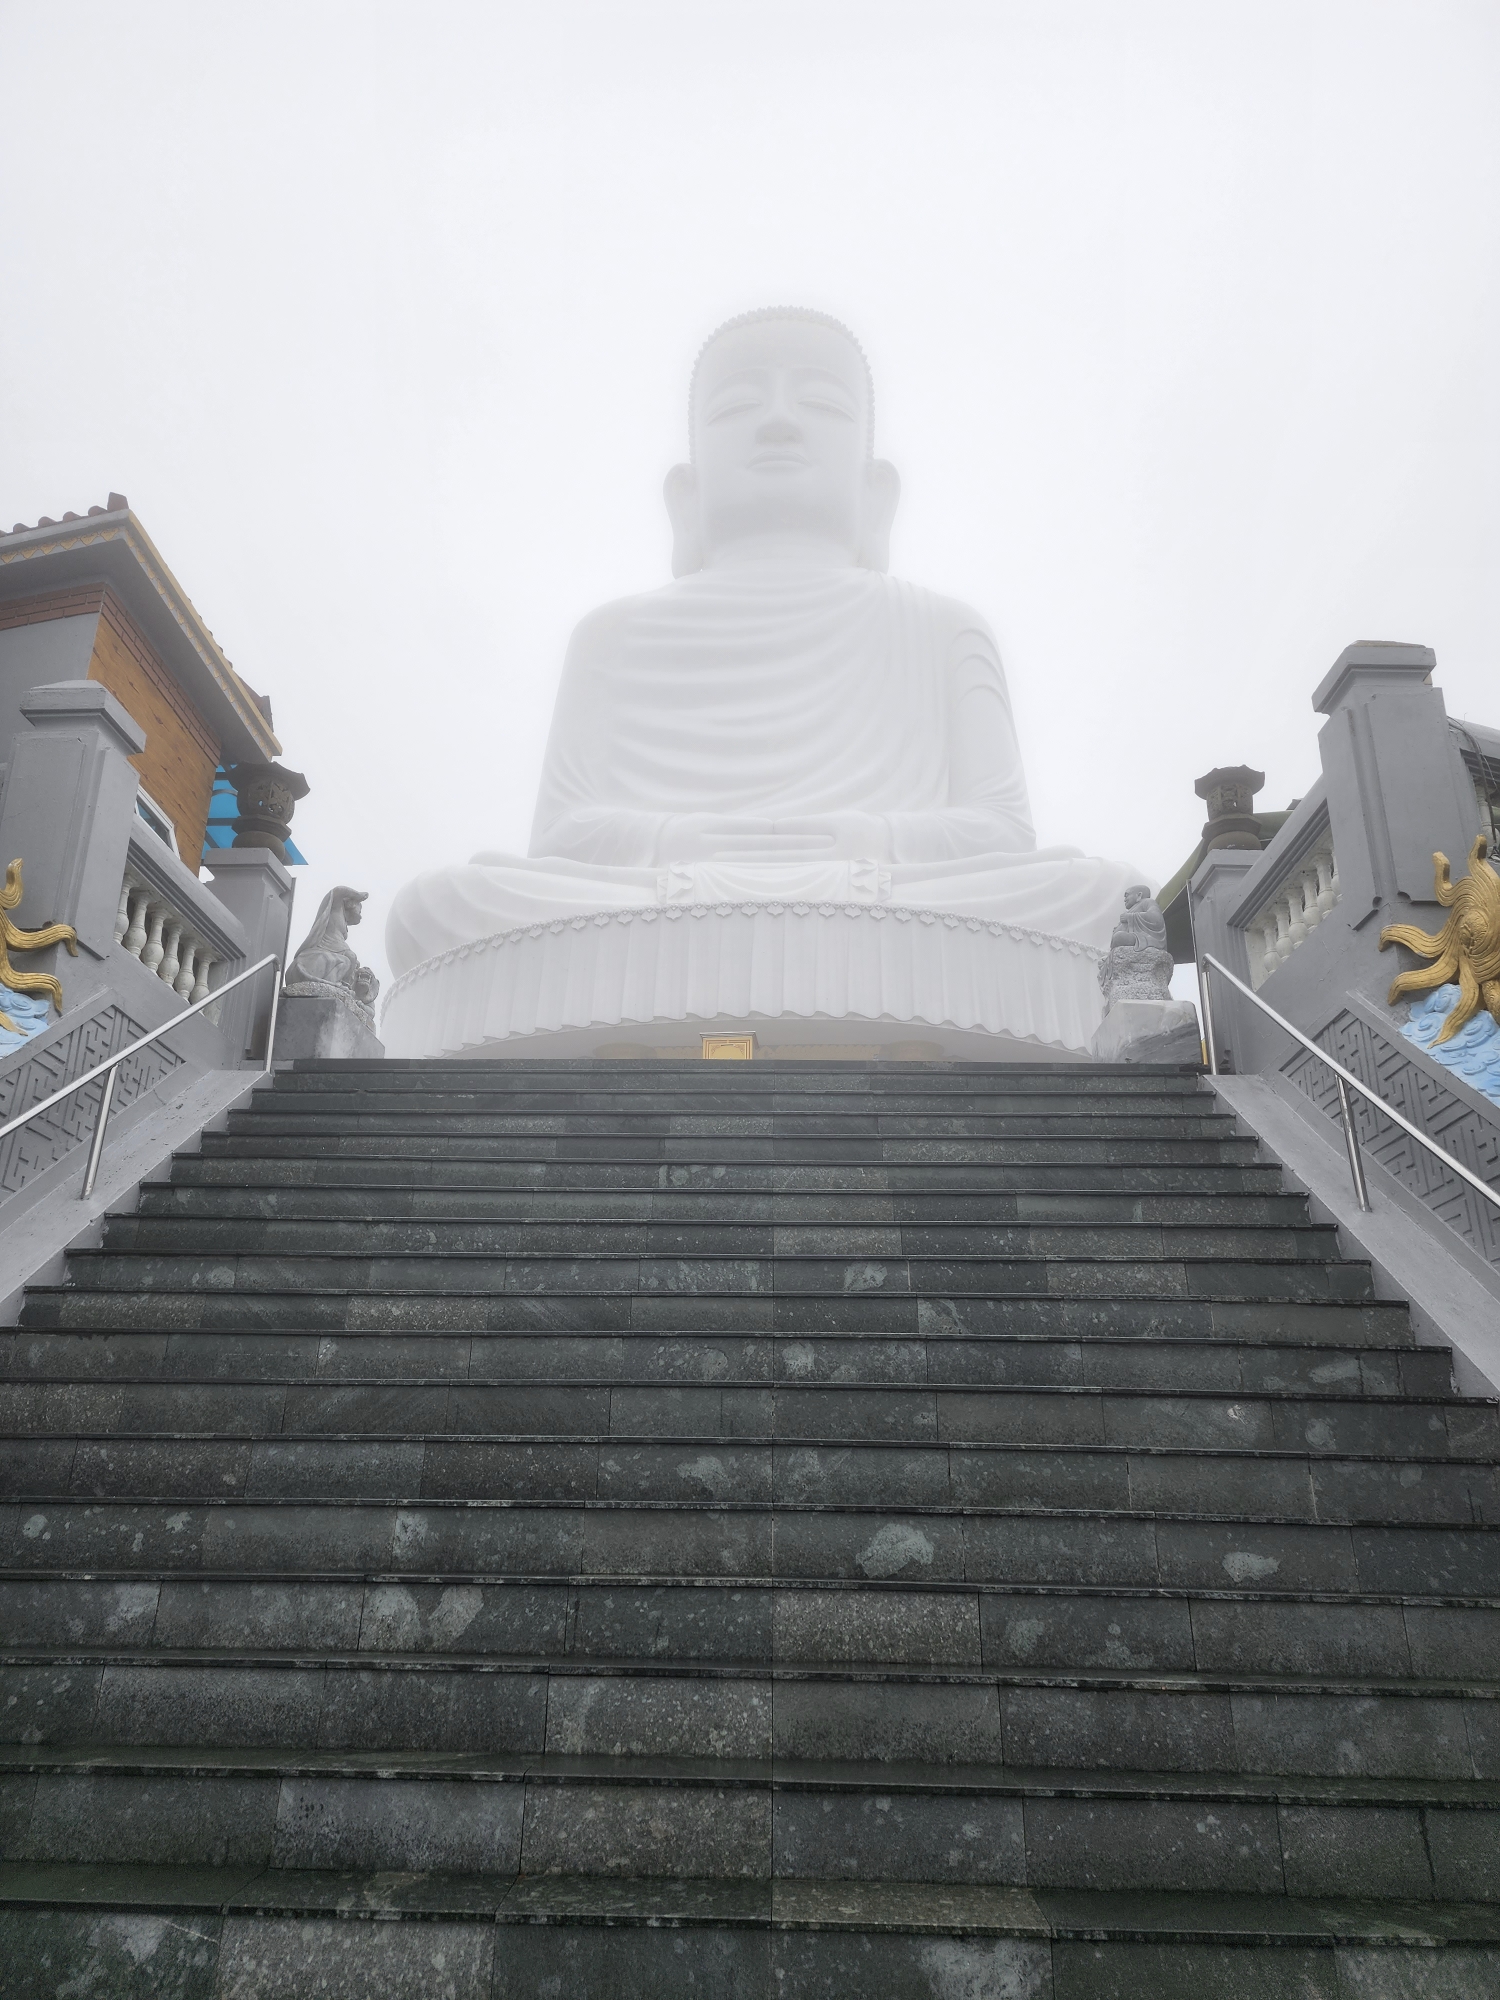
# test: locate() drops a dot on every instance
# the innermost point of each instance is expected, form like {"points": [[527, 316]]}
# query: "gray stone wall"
{"points": [[1394, 789], [68, 811]]}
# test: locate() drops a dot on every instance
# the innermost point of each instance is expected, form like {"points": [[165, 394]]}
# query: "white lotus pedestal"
{"points": [[862, 981]]}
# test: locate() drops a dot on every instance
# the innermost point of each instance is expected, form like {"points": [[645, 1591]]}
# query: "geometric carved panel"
{"points": [[48, 1137], [1460, 1129]]}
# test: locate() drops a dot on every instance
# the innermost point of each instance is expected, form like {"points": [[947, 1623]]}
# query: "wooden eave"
{"points": [[116, 547]]}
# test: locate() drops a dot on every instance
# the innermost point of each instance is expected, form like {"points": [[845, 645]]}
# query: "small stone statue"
{"points": [[326, 959], [328, 1010], [1142, 1022], [1139, 966]]}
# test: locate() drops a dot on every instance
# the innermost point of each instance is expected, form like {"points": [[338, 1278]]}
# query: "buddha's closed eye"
{"points": [[739, 407]]}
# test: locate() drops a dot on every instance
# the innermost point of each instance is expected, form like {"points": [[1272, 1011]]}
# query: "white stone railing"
{"points": [[1302, 899], [152, 929]]}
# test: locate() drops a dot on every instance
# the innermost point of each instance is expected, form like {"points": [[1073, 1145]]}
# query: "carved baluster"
{"points": [[1263, 959], [1296, 928], [1333, 877], [1312, 916], [1327, 894], [183, 984], [122, 915], [170, 964], [1268, 959], [134, 939], [1283, 944], [204, 966], [151, 955]]}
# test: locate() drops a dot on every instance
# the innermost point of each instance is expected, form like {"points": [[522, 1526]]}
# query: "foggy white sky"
{"points": [[1185, 324]]}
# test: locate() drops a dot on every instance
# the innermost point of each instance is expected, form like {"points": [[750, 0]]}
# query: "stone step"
{"points": [[469, 1272], [837, 1416], [721, 1818], [432, 1166], [264, 1931], [376, 1201], [871, 1715], [1263, 1486], [847, 1110], [1236, 1629], [359, 1141], [1015, 1545], [1132, 1243], [839, 1086], [402, 1380], [330, 1311], [642, 1127]]}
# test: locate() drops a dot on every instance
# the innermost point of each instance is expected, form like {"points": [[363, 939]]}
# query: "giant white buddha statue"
{"points": [[783, 794]]}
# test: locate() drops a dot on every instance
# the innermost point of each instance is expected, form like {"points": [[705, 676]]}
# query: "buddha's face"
{"points": [[780, 444]]}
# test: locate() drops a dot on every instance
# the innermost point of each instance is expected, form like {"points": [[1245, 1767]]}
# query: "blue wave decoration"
{"points": [[29, 1011], [1473, 1053]]}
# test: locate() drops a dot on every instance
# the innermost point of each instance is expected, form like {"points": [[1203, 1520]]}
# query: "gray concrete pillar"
{"points": [[258, 888], [69, 801], [1397, 788], [1215, 890]]}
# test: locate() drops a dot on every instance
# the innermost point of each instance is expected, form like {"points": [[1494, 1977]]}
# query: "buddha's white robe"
{"points": [[775, 694]]}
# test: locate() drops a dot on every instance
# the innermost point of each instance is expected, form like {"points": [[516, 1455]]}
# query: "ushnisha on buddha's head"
{"points": [[781, 422]]}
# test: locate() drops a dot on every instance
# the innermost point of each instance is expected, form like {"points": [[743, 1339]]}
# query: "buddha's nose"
{"points": [[777, 427]]}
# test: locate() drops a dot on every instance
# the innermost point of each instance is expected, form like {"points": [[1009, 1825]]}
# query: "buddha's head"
{"points": [[781, 419]]}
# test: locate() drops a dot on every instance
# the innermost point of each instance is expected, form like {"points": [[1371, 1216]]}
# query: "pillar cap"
{"points": [[64, 704], [1372, 663]]}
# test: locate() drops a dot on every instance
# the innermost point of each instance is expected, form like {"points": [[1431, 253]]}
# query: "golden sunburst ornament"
{"points": [[12, 939], [1466, 949]]}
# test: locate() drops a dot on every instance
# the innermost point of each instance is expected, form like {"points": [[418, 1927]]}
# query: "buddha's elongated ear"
{"points": [[882, 492], [681, 495]]}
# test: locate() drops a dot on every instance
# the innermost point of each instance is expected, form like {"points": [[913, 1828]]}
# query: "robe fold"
{"points": [[775, 695]]}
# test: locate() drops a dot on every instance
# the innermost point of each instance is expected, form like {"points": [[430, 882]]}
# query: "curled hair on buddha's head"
{"points": [[761, 316]]}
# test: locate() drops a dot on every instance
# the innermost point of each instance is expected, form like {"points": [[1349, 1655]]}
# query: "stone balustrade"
{"points": [[1300, 902], [152, 929]]}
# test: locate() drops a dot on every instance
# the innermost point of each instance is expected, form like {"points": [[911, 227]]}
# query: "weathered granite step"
{"points": [[739, 1539], [849, 1112], [409, 1397], [1245, 1628], [842, 1082], [642, 1127], [839, 1416], [359, 1142], [329, 1311], [377, 1201], [262, 1931], [719, 1817], [587, 1270], [1194, 1723], [1127, 1242], [225, 1164], [1268, 1486]]}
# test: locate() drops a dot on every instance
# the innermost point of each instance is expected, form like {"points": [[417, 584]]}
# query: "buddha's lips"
{"points": [[778, 460]]}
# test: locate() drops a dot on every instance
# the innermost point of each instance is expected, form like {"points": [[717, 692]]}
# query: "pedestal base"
{"points": [[867, 981], [318, 1025], [1149, 1031]]}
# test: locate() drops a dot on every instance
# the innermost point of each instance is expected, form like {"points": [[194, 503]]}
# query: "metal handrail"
{"points": [[1346, 1081], [110, 1064]]}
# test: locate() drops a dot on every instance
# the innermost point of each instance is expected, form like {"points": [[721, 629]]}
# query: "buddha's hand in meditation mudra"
{"points": [[840, 836]]}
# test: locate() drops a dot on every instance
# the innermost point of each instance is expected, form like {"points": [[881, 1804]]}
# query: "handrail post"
{"points": [[275, 1007], [1205, 984], [1351, 1146], [96, 1144]]}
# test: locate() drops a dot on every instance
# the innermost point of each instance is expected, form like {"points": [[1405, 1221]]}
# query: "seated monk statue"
{"points": [[784, 721]]}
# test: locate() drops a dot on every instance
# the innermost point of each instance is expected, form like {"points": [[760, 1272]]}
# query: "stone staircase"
{"points": [[808, 1530]]}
